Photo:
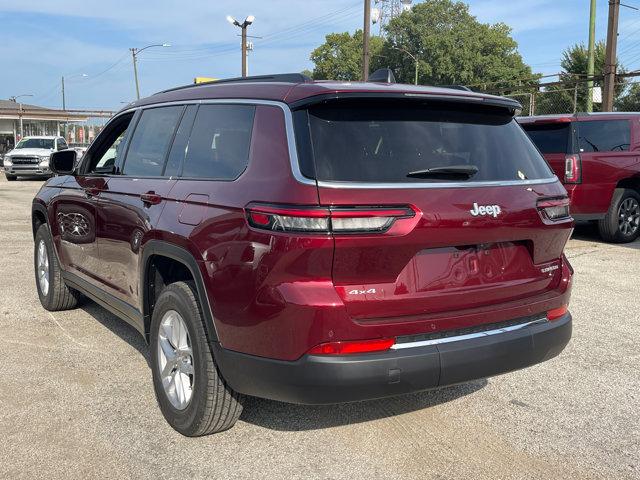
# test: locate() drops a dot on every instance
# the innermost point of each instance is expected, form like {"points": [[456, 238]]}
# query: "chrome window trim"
{"points": [[469, 336], [295, 164]]}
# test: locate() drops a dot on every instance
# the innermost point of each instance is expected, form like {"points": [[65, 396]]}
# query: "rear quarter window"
{"points": [[381, 142], [604, 135], [550, 137]]}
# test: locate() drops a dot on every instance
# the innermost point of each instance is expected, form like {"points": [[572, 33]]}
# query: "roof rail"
{"points": [[456, 87], [278, 77]]}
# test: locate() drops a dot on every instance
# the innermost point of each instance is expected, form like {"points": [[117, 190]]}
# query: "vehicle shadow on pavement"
{"points": [[293, 418], [117, 326], [588, 232]]}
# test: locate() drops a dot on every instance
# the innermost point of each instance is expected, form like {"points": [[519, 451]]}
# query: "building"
{"points": [[19, 120]]}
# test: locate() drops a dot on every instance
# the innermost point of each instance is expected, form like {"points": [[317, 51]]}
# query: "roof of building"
{"points": [[11, 109]]}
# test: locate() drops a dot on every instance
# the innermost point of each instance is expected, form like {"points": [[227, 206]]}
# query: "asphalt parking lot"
{"points": [[77, 400]]}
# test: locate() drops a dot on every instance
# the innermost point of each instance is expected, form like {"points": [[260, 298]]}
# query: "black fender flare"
{"points": [[182, 255]]}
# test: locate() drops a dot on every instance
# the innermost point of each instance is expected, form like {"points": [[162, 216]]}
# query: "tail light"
{"points": [[572, 169], [352, 347], [557, 313], [554, 209], [342, 220]]}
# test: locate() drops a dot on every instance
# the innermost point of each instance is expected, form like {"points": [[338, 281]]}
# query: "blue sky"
{"points": [[42, 40]]}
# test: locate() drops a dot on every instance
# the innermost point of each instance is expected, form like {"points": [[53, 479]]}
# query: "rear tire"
{"points": [[193, 397], [10, 178], [54, 294], [622, 222]]}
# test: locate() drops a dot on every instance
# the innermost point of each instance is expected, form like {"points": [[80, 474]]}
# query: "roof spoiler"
{"points": [[279, 77]]}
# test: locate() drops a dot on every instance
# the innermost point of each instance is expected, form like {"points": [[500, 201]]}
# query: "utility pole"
{"points": [[610, 57], [64, 104], [135, 71], [591, 61], [366, 37]]}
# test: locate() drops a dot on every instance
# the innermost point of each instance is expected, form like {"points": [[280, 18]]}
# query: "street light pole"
{"points": [[20, 110], [415, 60], [64, 103], [243, 26], [134, 56]]}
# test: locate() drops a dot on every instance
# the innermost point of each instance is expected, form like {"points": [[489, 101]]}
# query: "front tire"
{"points": [[10, 178], [193, 397], [54, 294], [622, 222]]}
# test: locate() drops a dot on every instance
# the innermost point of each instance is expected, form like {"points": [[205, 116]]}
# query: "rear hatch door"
{"points": [[471, 241]]}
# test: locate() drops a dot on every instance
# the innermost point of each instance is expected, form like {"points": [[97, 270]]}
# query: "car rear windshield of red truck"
{"points": [[402, 142]]}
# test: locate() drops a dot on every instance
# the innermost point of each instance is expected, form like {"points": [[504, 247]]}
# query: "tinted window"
{"points": [[604, 136], [106, 152], [368, 142], [219, 142], [550, 137], [150, 141], [179, 147], [62, 144]]}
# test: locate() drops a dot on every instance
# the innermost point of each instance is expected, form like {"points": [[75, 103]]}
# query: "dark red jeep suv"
{"points": [[597, 156], [311, 242]]}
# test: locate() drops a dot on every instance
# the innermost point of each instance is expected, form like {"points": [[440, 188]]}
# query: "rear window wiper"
{"points": [[452, 172]]}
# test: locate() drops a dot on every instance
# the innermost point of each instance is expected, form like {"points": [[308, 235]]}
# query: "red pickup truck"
{"points": [[597, 157]]}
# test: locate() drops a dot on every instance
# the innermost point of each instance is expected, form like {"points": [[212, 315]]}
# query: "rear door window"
{"points": [[604, 136], [150, 142], [220, 141], [382, 142], [550, 137]]}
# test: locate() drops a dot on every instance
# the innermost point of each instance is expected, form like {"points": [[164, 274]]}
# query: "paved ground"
{"points": [[76, 398]]}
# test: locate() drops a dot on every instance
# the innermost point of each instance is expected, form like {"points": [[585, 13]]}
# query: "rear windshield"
{"points": [[353, 141], [550, 137]]}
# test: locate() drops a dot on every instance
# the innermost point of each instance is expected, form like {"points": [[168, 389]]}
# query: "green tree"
{"points": [[629, 101], [452, 47], [561, 98], [340, 56]]}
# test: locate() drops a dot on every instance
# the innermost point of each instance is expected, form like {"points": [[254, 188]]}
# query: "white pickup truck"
{"points": [[31, 155]]}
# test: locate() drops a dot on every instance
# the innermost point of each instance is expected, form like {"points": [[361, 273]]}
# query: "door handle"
{"points": [[150, 198], [91, 192]]}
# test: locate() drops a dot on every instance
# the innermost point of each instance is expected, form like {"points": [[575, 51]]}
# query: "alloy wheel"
{"points": [[43, 268], [175, 360], [629, 216]]}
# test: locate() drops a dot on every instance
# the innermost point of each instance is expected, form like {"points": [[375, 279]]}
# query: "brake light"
{"points": [[557, 313], [572, 168], [351, 347], [326, 220], [554, 209]]}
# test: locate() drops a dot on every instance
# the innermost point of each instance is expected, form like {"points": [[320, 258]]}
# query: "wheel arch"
{"points": [[156, 254], [38, 217], [632, 183]]}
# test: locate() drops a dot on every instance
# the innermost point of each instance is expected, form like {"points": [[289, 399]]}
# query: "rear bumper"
{"points": [[315, 379]]}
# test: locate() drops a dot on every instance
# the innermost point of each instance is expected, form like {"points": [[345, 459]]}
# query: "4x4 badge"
{"points": [[482, 210]]}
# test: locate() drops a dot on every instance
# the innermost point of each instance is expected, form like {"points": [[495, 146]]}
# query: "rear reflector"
{"points": [[554, 209], [351, 347], [557, 313], [572, 169], [326, 220]]}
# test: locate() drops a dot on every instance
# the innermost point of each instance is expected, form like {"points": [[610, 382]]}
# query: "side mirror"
{"points": [[63, 162]]}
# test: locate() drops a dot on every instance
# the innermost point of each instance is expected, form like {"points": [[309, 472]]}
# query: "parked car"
{"points": [[311, 242], [30, 157], [597, 157]]}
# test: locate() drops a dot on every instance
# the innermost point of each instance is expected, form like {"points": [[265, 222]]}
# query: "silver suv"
{"points": [[31, 155]]}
